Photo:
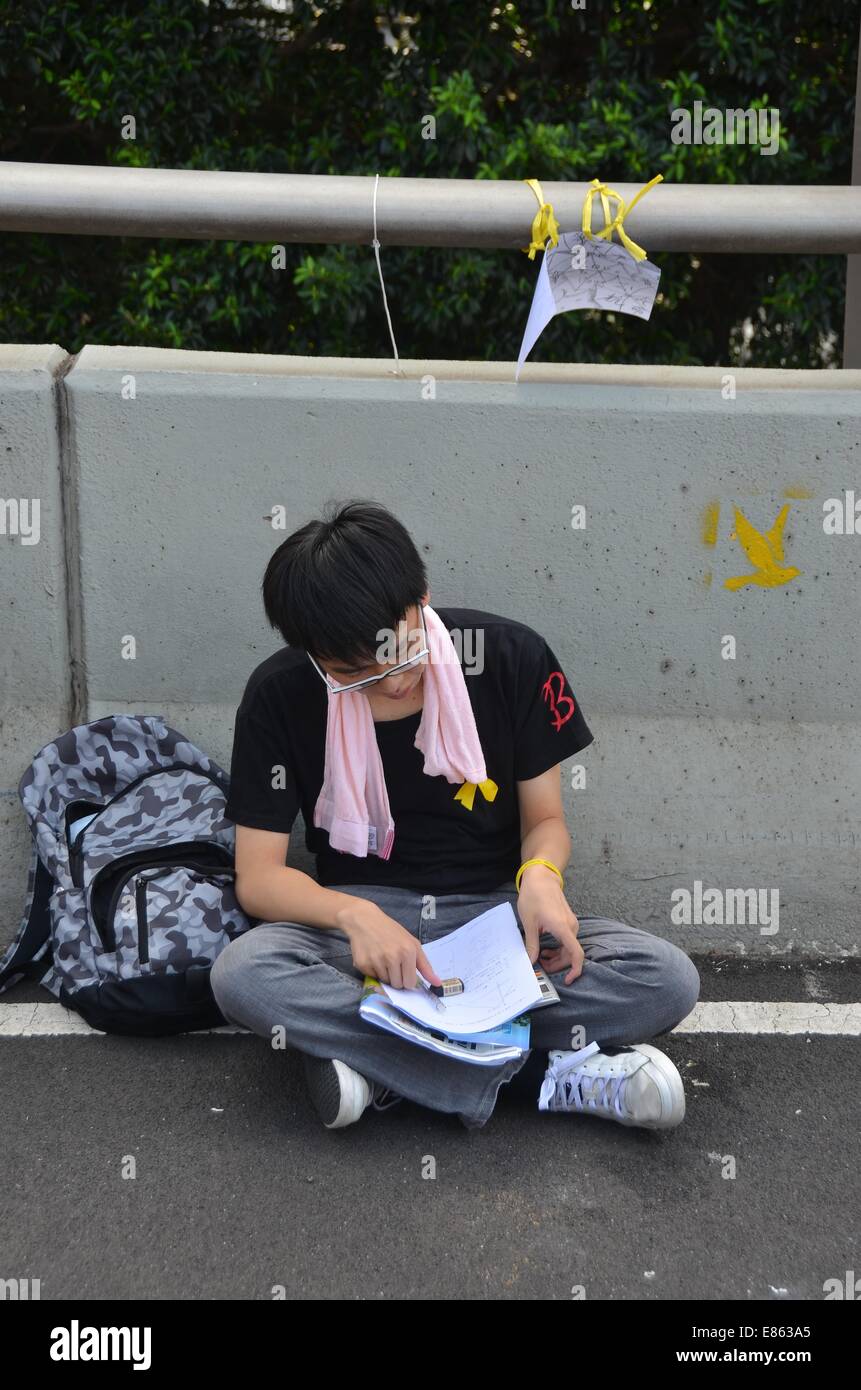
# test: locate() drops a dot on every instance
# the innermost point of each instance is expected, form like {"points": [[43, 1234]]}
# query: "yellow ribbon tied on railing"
{"points": [[466, 792], [544, 223], [614, 225]]}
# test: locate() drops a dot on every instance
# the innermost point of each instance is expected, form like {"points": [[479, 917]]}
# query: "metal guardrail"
{"points": [[321, 208]]}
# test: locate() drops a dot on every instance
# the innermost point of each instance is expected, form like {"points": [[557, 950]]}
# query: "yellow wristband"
{"points": [[525, 865]]}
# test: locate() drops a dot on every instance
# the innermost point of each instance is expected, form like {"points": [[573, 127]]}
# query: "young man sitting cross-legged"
{"points": [[427, 780]]}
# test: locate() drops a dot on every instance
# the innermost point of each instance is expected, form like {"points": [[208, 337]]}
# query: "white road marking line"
{"points": [[53, 1020], [751, 1016], [742, 1018]]}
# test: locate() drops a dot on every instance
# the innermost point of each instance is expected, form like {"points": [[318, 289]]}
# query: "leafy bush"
{"points": [[534, 89]]}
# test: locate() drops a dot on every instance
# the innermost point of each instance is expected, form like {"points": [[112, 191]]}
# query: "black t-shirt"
{"points": [[527, 718]]}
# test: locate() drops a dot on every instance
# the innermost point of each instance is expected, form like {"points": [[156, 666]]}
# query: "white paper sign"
{"points": [[582, 274]]}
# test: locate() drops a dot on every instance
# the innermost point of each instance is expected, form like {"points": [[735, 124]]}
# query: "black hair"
{"points": [[332, 585]]}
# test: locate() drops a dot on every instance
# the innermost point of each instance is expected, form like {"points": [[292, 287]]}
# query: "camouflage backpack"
{"points": [[130, 894]]}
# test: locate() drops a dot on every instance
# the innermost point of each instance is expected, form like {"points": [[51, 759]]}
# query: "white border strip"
{"points": [[753, 1016], [743, 1018], [54, 1021]]}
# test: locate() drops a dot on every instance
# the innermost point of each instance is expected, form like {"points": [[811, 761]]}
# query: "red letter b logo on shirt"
{"points": [[557, 699]]}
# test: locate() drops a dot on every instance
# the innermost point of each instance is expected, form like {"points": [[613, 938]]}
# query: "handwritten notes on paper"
{"points": [[579, 273], [499, 983]]}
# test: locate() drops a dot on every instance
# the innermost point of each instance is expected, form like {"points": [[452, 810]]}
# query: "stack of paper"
{"points": [[484, 1024]]}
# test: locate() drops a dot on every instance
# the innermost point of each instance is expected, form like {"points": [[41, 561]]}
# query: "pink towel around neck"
{"points": [[353, 804]]}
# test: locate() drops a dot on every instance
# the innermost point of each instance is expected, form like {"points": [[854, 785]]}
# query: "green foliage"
{"points": [[534, 89]]}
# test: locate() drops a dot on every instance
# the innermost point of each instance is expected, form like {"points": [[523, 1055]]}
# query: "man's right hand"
{"points": [[382, 947]]}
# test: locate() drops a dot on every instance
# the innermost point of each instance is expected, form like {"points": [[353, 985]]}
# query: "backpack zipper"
{"points": [[141, 904], [143, 925], [105, 930]]}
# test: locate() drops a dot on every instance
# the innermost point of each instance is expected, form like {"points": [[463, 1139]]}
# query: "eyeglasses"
{"points": [[371, 680]]}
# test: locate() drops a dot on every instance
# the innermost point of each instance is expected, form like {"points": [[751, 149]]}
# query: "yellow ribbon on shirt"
{"points": [[596, 186], [466, 792], [544, 223]]}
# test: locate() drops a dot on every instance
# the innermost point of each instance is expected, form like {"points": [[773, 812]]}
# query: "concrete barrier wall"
{"points": [[34, 665], [736, 773]]}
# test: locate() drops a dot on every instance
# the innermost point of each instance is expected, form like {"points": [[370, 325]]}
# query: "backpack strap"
{"points": [[30, 952]]}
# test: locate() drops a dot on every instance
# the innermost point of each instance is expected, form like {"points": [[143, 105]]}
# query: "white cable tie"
{"points": [[376, 245]]}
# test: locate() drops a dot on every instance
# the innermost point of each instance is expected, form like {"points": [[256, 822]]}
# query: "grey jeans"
{"points": [[633, 986]]}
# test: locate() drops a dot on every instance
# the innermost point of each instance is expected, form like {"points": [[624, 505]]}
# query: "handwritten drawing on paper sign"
{"points": [[579, 273]]}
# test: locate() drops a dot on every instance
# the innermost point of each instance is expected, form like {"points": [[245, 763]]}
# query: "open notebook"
{"points": [[488, 1023]]}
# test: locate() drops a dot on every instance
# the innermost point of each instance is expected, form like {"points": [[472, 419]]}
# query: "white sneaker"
{"points": [[341, 1095], [635, 1085]]}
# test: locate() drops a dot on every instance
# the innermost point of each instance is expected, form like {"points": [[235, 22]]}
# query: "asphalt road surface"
{"points": [[239, 1190]]}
